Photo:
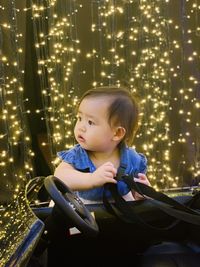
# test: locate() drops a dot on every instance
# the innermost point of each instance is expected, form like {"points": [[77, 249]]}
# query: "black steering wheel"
{"points": [[71, 206]]}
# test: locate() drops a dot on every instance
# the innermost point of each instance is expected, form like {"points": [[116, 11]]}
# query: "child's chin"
{"points": [[83, 145]]}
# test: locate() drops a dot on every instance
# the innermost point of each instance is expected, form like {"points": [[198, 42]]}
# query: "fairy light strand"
{"points": [[150, 46], [57, 50], [15, 143], [139, 44], [14, 135]]}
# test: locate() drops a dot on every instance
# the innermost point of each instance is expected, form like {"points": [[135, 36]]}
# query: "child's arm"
{"points": [[77, 180], [142, 178]]}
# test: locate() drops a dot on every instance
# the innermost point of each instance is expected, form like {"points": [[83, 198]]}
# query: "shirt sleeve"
{"points": [[136, 162], [67, 155], [143, 164]]}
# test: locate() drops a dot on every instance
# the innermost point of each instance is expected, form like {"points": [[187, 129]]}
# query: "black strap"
{"points": [[112, 188], [149, 191], [124, 210]]}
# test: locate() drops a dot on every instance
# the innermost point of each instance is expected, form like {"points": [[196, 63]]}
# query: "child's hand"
{"points": [[104, 174], [142, 178]]}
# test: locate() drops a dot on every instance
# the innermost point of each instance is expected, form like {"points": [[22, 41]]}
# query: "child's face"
{"points": [[92, 130]]}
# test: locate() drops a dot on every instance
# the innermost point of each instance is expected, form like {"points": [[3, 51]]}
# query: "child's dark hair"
{"points": [[123, 110]]}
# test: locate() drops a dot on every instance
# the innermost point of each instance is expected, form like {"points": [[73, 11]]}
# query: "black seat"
{"points": [[171, 254]]}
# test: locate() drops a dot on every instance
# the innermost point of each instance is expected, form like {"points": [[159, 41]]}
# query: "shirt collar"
{"points": [[83, 162]]}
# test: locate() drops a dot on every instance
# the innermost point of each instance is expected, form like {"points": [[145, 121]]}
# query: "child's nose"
{"points": [[82, 126]]}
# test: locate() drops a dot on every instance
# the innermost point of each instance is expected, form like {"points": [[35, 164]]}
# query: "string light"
{"points": [[143, 46], [15, 143], [14, 129], [135, 45], [57, 51], [149, 49]]}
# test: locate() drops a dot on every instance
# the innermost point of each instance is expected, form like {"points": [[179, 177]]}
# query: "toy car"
{"points": [[36, 233]]}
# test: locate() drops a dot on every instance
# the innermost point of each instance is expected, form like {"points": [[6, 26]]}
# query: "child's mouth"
{"points": [[80, 138]]}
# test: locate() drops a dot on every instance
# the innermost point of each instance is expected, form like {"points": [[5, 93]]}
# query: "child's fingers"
{"points": [[142, 176], [142, 179], [138, 180], [110, 167]]}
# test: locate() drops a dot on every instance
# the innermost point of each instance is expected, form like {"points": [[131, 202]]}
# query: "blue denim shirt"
{"points": [[79, 159]]}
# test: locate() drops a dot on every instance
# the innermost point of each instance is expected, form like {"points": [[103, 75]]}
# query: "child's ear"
{"points": [[119, 133]]}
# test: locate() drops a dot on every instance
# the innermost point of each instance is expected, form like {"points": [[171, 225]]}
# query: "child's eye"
{"points": [[90, 122], [78, 118]]}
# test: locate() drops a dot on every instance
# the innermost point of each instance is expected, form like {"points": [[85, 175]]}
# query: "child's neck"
{"points": [[99, 158]]}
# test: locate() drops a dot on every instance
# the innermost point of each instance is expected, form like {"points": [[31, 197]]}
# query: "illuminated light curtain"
{"points": [[109, 30], [57, 49], [131, 42], [149, 73], [16, 166], [15, 144], [150, 46], [186, 98], [195, 168]]}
